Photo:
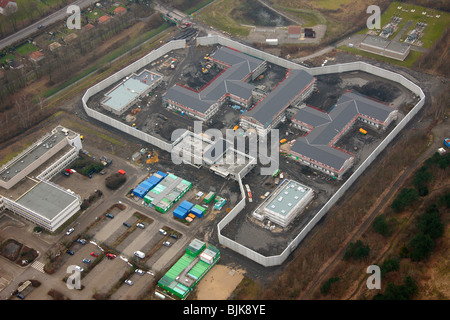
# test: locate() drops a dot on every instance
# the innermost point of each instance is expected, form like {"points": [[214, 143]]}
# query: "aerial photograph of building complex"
{"points": [[224, 150]]}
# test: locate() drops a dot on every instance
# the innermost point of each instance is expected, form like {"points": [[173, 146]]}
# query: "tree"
{"points": [[356, 250], [399, 292], [380, 225], [430, 223], [404, 199], [325, 288], [389, 265], [420, 247], [114, 181], [421, 180]]}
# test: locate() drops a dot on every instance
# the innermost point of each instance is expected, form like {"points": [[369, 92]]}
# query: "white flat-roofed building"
{"points": [[44, 203], [126, 94], [285, 203]]}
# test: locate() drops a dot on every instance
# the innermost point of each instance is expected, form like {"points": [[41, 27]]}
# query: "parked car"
{"points": [[110, 256], [173, 235], [79, 268], [94, 254], [87, 261], [40, 26], [70, 252], [82, 241], [139, 272], [129, 282], [163, 232], [20, 296], [167, 243], [109, 215], [126, 224], [140, 225], [69, 232]]}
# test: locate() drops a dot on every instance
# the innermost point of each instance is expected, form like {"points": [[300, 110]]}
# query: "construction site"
{"points": [[340, 105]]}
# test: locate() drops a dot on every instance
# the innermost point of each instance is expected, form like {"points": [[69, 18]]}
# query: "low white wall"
{"points": [[154, 55]]}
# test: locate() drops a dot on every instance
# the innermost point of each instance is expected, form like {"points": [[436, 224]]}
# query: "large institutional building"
{"points": [[41, 202], [230, 85], [316, 149], [263, 111]]}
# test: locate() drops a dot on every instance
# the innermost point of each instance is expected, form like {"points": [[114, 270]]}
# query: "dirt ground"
{"points": [[219, 283]]}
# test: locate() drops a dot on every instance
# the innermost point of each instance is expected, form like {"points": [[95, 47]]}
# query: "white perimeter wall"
{"points": [[118, 76], [339, 68]]}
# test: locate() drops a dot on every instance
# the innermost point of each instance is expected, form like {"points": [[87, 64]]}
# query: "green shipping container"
{"points": [[209, 197]]}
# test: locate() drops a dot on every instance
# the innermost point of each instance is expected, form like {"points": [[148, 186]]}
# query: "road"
{"points": [[31, 29]]}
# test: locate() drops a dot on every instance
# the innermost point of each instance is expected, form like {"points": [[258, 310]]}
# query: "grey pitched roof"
{"points": [[312, 116], [280, 97], [188, 98], [317, 144], [323, 154], [228, 82]]}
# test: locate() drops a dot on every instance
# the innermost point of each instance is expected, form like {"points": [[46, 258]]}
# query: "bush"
{"points": [[404, 199], [420, 247], [430, 223], [401, 292], [445, 200], [114, 181], [357, 250], [421, 180], [380, 225], [389, 265], [325, 288]]}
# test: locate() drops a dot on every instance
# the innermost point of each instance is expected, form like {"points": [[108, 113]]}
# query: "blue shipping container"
{"points": [[180, 213], [186, 205], [198, 213]]}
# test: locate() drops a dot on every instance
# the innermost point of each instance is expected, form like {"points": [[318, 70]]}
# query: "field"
{"points": [[219, 16], [434, 29], [26, 49]]}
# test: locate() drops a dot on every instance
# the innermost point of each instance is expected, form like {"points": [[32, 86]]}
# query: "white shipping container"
{"points": [[272, 42]]}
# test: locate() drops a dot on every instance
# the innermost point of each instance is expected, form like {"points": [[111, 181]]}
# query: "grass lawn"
{"points": [[434, 30], [26, 49], [7, 58], [198, 6], [218, 15], [95, 14], [309, 18], [407, 63]]}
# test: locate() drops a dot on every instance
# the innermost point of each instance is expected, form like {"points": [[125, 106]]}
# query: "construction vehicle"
{"points": [[282, 141], [362, 131]]}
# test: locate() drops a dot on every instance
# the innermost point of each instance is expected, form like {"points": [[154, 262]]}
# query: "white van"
{"points": [[139, 254]]}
